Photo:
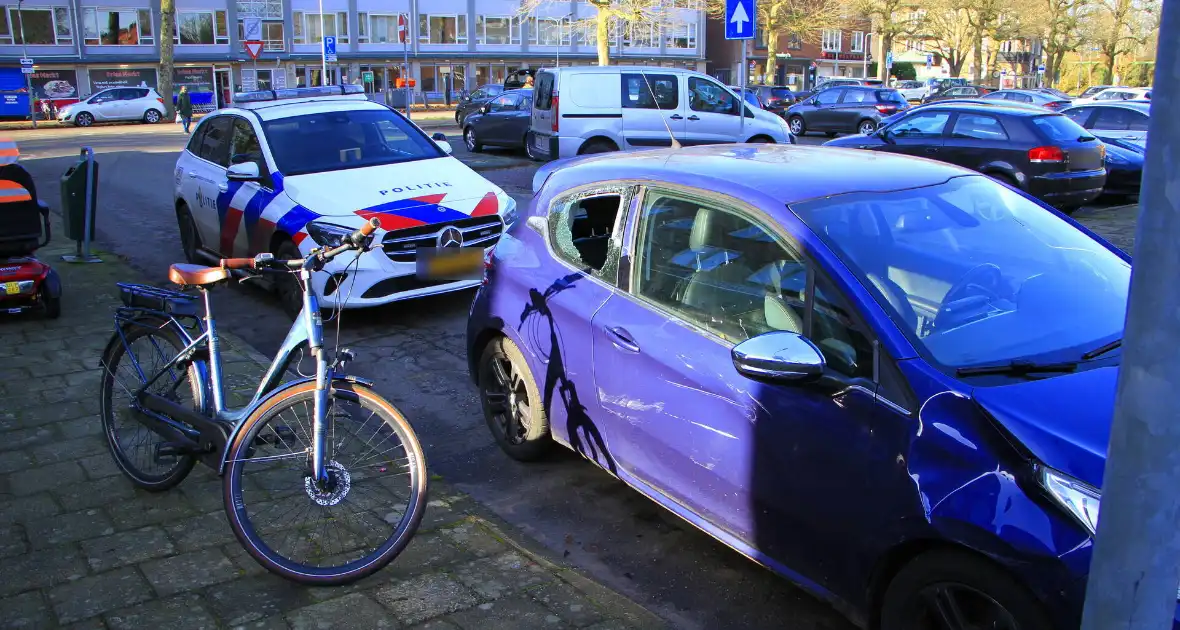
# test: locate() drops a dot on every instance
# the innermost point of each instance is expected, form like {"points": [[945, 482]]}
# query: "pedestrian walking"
{"points": [[184, 107]]}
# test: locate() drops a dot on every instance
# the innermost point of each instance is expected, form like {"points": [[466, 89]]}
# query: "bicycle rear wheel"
{"points": [[144, 456], [355, 525]]}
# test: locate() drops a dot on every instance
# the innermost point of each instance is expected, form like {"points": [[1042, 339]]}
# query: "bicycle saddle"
{"points": [[195, 275]]}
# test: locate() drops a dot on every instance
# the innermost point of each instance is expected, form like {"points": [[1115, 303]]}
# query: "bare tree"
{"points": [[610, 16], [1061, 24], [892, 20], [167, 60], [801, 18], [947, 32], [1122, 27], [991, 20]]}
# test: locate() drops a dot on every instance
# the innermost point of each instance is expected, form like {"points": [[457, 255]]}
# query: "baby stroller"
{"points": [[25, 283]]}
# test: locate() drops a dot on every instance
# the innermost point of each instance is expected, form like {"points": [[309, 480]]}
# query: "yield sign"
{"points": [[253, 48]]}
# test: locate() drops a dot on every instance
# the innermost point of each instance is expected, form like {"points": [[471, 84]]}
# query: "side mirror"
{"points": [[440, 139], [486, 108], [780, 357], [813, 102], [244, 172]]}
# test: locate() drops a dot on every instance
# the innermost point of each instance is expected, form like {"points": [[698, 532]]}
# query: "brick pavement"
{"points": [[81, 548]]}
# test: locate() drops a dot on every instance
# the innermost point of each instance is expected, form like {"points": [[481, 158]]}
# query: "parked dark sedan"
{"points": [[950, 91], [502, 122], [776, 98], [476, 100], [855, 109], [1044, 154], [889, 120], [1124, 171], [1048, 101]]}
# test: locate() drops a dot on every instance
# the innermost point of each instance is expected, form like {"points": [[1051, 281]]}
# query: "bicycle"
{"points": [[175, 414]]}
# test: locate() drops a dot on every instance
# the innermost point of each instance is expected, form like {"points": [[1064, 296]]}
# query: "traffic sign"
{"points": [[889, 59], [25, 61], [402, 29], [1041, 69], [27, 70], [367, 76], [252, 29], [739, 19], [330, 48], [929, 61], [253, 48]]}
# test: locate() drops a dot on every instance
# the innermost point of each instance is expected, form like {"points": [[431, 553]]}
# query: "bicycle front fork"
{"points": [[323, 375]]}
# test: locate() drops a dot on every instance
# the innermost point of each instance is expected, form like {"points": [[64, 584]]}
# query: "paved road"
{"points": [[415, 352]]}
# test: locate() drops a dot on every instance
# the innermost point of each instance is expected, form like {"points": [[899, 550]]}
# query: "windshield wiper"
{"points": [[1017, 368], [1103, 349]]}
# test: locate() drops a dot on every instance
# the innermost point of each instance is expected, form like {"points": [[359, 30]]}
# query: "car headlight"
{"points": [[511, 214], [327, 234], [1076, 497]]}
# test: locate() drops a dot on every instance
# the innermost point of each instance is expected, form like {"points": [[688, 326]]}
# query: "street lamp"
{"points": [[24, 47]]}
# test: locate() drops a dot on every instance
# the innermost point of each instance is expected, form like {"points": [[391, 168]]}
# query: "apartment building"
{"points": [[80, 46], [799, 61]]}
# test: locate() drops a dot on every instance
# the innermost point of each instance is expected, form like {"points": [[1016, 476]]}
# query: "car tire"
{"points": [[152, 116], [471, 141], [190, 237], [287, 284], [866, 127], [797, 125], [457, 120], [514, 380], [958, 574], [598, 146], [51, 304], [83, 119]]}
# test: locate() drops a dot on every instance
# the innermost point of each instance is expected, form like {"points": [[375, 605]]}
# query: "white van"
{"points": [[596, 109]]}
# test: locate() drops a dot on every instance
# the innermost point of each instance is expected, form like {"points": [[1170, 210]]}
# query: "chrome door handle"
{"points": [[676, 117], [694, 117], [192, 174], [223, 187], [622, 339]]}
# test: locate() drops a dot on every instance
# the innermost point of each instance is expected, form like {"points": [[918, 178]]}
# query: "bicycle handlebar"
{"points": [[356, 240]]}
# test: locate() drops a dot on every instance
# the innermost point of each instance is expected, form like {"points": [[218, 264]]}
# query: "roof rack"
{"points": [[266, 96]]}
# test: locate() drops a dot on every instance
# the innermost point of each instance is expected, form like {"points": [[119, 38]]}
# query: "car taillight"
{"points": [[161, 100], [556, 113], [1046, 155], [887, 109]]}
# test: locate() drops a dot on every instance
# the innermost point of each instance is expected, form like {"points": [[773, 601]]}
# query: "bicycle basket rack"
{"points": [[174, 303]]}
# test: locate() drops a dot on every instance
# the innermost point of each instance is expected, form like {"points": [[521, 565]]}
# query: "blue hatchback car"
{"points": [[888, 379]]}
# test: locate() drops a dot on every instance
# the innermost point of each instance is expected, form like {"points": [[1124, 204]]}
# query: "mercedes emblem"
{"points": [[449, 236]]}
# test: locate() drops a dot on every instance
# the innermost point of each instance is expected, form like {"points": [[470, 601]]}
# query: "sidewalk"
{"points": [[435, 117], [80, 547]]}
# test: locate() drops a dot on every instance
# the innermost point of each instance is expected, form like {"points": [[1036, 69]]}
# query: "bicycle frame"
{"points": [[307, 329]]}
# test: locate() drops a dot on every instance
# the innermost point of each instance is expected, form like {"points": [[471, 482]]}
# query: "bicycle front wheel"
{"points": [[341, 531]]}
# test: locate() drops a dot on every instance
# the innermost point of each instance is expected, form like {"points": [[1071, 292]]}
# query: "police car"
{"points": [[288, 171]]}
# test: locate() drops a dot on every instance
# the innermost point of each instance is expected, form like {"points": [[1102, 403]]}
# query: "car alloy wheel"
{"points": [[950, 606], [469, 139], [190, 240], [151, 117], [867, 127], [511, 401], [797, 126], [84, 120]]}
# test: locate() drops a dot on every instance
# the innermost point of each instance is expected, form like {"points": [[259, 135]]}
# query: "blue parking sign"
{"points": [[739, 19], [330, 48]]}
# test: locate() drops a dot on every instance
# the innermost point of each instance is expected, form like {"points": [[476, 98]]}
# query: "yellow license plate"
{"points": [[11, 288], [450, 263]]}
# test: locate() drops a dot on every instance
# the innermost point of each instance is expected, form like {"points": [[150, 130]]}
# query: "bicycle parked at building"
{"points": [[324, 480]]}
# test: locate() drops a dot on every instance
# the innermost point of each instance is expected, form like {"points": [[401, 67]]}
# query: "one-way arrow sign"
{"points": [[739, 19]]}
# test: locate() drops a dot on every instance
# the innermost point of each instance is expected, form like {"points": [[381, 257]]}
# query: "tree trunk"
{"points": [[603, 27], [1111, 58], [956, 63], [977, 57], [167, 24], [771, 56], [886, 46]]}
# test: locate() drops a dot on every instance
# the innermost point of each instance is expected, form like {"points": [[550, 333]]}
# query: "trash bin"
{"points": [[73, 199]]}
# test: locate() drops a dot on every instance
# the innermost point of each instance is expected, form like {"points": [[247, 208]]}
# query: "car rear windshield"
{"points": [[543, 91], [886, 96], [974, 273], [780, 92], [333, 141], [1059, 128]]}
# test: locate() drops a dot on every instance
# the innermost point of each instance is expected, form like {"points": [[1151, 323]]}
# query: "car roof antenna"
{"points": [[675, 142]]}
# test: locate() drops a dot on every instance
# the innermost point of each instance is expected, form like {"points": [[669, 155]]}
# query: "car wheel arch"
{"points": [[761, 138], [1006, 171], [596, 139]]}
